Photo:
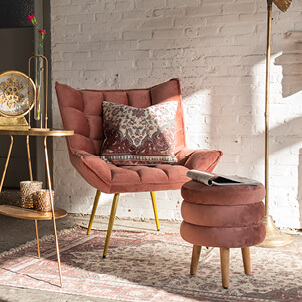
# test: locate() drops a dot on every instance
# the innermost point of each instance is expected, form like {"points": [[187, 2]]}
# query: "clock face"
{"points": [[17, 94]]}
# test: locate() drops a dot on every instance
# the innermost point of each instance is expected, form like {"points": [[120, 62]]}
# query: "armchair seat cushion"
{"points": [[110, 178], [147, 178]]}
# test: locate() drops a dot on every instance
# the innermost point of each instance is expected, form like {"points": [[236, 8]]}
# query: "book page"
{"points": [[200, 176], [210, 179]]}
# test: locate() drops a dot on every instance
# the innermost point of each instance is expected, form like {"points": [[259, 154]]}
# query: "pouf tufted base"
{"points": [[225, 217], [222, 216], [232, 237]]}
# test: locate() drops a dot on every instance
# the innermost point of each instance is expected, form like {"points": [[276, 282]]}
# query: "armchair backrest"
{"points": [[81, 111]]}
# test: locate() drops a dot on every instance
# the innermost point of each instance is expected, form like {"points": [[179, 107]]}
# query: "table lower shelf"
{"points": [[23, 213]]}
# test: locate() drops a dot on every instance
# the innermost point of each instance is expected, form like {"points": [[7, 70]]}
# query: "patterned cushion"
{"points": [[139, 136]]}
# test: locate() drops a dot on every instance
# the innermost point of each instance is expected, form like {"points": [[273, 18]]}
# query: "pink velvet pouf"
{"points": [[225, 217]]}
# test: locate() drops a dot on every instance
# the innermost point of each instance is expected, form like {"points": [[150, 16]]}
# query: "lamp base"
{"points": [[274, 237]]}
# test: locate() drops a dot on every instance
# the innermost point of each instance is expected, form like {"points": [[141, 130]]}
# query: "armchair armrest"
{"points": [[200, 159], [92, 168]]}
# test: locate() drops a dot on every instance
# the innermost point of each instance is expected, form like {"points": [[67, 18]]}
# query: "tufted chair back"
{"points": [[81, 111]]}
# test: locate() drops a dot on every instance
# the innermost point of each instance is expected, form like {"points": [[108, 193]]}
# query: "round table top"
{"points": [[38, 132]]}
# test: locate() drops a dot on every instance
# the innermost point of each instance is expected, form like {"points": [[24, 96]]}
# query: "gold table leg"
{"points": [[7, 161], [37, 235], [52, 209], [31, 179], [29, 159]]}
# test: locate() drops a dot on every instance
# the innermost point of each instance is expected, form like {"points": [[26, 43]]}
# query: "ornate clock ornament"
{"points": [[17, 98]]}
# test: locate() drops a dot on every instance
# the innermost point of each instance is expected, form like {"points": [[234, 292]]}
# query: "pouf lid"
{"points": [[196, 192]]}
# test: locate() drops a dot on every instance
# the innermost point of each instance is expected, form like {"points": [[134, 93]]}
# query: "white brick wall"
{"points": [[217, 49]]}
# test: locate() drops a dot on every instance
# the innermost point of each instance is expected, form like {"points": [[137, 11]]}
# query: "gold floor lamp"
{"points": [[273, 237]]}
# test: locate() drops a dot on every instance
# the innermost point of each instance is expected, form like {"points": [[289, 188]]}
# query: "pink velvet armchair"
{"points": [[81, 111]]}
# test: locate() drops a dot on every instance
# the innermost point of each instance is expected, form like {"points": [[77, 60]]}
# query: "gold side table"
{"points": [[30, 214]]}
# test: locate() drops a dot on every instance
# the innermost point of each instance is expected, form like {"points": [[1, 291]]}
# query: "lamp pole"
{"points": [[273, 237]]}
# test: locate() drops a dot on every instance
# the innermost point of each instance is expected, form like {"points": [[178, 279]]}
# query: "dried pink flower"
{"points": [[30, 17]]}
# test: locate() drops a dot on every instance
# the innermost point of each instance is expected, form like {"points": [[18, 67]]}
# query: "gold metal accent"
{"points": [[43, 132], [29, 158], [14, 101], [111, 221], [17, 98], [112, 217], [155, 210], [38, 94], [283, 5], [15, 123], [37, 235], [273, 236], [95, 205], [40, 129], [30, 214], [7, 161], [52, 210]]}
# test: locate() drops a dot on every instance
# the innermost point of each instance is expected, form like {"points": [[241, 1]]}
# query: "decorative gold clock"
{"points": [[17, 98]]}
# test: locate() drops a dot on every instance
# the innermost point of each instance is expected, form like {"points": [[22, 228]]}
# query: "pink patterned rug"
{"points": [[143, 266]]}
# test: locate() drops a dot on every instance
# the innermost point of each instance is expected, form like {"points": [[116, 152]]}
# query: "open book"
{"points": [[210, 179]]}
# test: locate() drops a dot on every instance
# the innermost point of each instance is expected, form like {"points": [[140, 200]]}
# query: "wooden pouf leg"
{"points": [[225, 266], [195, 259], [246, 259]]}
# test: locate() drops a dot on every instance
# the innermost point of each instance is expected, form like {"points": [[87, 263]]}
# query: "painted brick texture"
{"points": [[217, 49]]}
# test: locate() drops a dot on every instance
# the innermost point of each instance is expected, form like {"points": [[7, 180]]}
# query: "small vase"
{"points": [[39, 77]]}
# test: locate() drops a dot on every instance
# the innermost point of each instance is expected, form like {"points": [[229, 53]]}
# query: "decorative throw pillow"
{"points": [[139, 136]]}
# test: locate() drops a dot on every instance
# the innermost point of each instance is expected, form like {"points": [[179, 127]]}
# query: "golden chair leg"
{"points": [[195, 259], [155, 209], [225, 266], [246, 260], [111, 221], [95, 205]]}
